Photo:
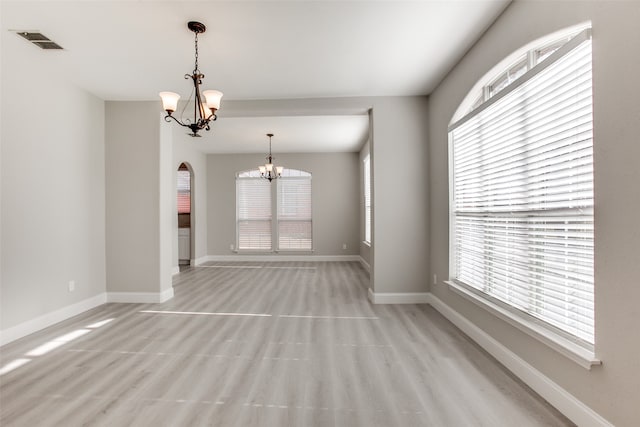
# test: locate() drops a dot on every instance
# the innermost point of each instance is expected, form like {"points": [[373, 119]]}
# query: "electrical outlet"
{"points": [[72, 285], [231, 247], [435, 279], [344, 246]]}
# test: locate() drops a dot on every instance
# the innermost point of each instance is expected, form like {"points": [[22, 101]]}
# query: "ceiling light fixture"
{"points": [[202, 113], [269, 171]]}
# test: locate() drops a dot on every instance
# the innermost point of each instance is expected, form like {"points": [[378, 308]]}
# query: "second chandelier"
{"points": [[269, 170]]}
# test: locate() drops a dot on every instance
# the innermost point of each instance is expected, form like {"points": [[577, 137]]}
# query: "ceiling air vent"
{"points": [[39, 40]]}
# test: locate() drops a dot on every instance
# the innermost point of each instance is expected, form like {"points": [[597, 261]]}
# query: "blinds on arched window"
{"points": [[522, 194]]}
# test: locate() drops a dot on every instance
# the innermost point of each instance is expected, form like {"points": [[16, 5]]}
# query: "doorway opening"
{"points": [[185, 214]]}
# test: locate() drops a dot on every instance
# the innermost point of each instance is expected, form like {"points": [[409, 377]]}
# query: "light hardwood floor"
{"points": [[256, 344]]}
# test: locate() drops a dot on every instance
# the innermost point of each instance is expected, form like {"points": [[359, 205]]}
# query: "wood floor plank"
{"points": [[262, 344]]}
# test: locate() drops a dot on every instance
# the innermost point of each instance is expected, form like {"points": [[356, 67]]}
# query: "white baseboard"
{"points": [[398, 297], [266, 258], [175, 270], [140, 297], [365, 265], [560, 398], [201, 260], [30, 326], [34, 325]]}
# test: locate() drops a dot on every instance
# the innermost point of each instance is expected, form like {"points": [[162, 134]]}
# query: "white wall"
{"points": [[133, 222], [53, 188], [611, 389], [399, 154], [185, 150], [335, 204]]}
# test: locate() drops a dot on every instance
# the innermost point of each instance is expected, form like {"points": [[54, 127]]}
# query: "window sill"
{"points": [[562, 345], [274, 252]]}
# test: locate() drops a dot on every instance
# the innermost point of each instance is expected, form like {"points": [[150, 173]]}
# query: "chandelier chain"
{"points": [[195, 70]]}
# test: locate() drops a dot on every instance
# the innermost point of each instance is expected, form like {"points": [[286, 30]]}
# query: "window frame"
{"points": [[483, 92], [238, 249], [544, 332], [303, 176], [274, 195]]}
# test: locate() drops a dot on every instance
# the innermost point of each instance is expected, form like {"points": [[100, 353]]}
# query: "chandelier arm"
{"points": [[168, 118], [197, 108], [195, 127]]}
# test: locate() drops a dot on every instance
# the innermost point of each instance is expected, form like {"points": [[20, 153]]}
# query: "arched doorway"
{"points": [[185, 214]]}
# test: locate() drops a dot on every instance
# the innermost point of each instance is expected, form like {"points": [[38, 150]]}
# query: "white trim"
{"points": [[562, 345], [198, 261], [365, 265], [398, 297], [175, 270], [34, 325], [140, 297], [266, 258], [560, 398]]}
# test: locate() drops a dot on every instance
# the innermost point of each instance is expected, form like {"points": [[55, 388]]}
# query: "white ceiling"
{"points": [[132, 49], [297, 134]]}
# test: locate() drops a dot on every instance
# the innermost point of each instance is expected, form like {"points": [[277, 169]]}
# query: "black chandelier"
{"points": [[269, 171], [203, 113]]}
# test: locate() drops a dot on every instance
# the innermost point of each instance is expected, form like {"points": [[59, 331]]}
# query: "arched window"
{"points": [[522, 189], [184, 189], [292, 211]]}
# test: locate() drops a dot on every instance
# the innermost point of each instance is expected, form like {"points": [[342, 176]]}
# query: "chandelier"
{"points": [[204, 109], [269, 171]]}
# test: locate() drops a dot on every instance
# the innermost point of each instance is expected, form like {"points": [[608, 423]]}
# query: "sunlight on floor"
{"points": [[14, 364], [328, 317], [290, 316], [51, 345], [203, 313]]}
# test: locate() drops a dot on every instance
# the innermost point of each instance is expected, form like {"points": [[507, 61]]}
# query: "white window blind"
{"points": [[254, 213], [294, 213], [367, 198], [522, 194], [184, 191]]}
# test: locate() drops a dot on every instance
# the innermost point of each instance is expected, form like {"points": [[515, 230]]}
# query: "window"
{"points": [[522, 63], [508, 77], [184, 190], [255, 212], [294, 210], [522, 195], [367, 198]]}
